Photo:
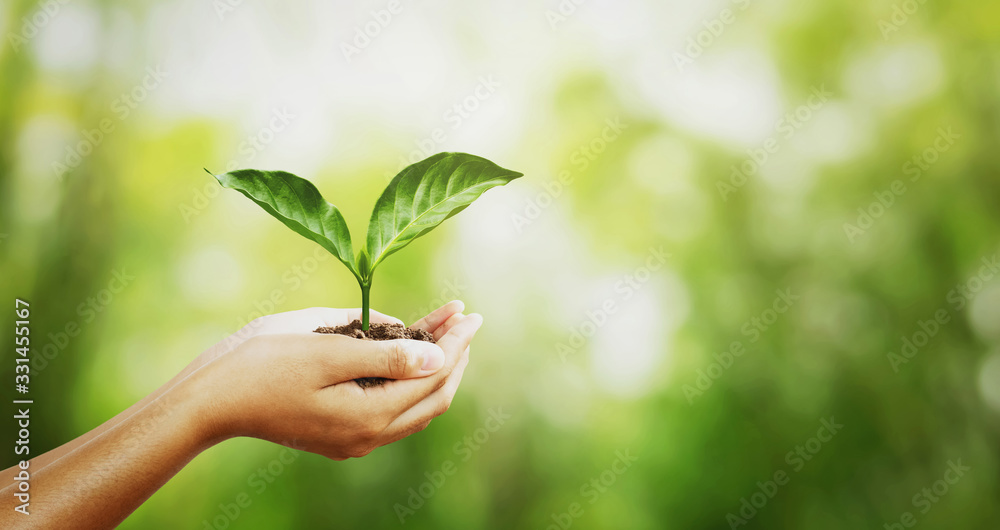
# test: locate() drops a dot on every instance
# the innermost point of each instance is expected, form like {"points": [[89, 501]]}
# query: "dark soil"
{"points": [[376, 332]]}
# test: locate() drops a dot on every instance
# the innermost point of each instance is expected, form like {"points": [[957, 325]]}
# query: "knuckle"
{"points": [[397, 360], [384, 420], [442, 406], [359, 451], [442, 380], [368, 432]]}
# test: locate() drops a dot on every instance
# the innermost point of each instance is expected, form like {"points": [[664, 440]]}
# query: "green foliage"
{"points": [[299, 205], [418, 199]]}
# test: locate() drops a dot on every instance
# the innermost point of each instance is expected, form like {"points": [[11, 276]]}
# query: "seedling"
{"points": [[418, 199]]}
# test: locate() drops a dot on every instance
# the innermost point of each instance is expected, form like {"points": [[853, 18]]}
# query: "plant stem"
{"points": [[364, 305]]}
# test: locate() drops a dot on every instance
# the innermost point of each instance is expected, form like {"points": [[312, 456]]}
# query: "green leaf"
{"points": [[422, 196], [299, 205]]}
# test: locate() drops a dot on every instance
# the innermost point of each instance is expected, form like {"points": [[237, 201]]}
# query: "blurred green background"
{"points": [[628, 119]]}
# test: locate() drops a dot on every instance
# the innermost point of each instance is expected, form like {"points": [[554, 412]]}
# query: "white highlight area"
{"points": [[629, 352]]}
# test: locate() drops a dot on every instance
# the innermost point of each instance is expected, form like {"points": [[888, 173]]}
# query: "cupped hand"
{"points": [[301, 321], [288, 385]]}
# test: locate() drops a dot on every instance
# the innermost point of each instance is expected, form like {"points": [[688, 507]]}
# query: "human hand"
{"points": [[288, 385], [301, 321]]}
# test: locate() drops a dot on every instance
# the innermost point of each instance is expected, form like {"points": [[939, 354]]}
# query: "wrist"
{"points": [[197, 413]]}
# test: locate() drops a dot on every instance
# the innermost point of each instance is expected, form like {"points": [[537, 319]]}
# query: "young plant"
{"points": [[418, 199]]}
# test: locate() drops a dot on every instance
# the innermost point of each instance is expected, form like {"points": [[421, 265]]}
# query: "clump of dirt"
{"points": [[376, 331]]}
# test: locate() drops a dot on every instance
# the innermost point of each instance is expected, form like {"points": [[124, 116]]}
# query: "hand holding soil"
{"points": [[297, 388]]}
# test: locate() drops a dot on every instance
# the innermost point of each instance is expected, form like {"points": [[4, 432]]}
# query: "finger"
{"points": [[345, 358], [373, 316], [454, 343], [448, 324], [420, 415], [460, 335], [437, 317]]}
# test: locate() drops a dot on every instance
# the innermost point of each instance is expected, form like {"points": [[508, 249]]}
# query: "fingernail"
{"points": [[433, 358], [461, 305]]}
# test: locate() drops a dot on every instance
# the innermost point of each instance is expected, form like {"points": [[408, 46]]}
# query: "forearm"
{"points": [[102, 481], [40, 461]]}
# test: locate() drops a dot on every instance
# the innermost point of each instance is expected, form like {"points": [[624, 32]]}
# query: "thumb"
{"points": [[393, 359]]}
